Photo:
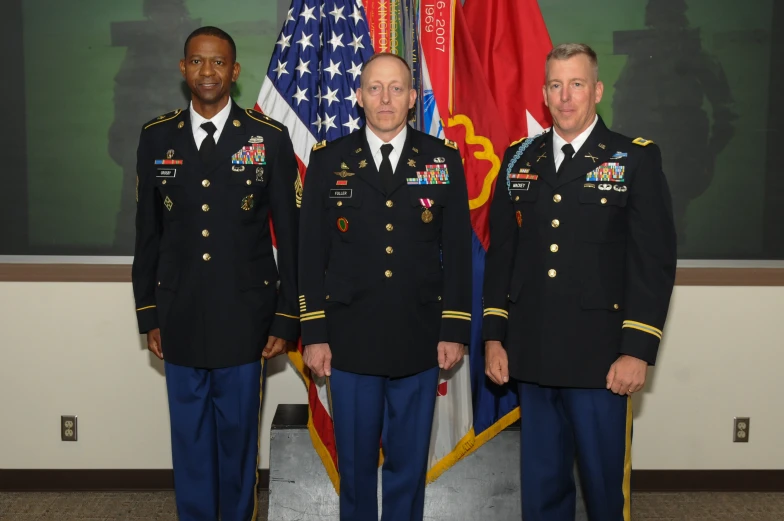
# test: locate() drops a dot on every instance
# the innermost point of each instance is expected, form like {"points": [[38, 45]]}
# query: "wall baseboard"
{"points": [[111, 480]]}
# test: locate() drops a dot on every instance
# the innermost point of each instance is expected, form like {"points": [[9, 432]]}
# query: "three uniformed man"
{"points": [[578, 280], [385, 283], [208, 292]]}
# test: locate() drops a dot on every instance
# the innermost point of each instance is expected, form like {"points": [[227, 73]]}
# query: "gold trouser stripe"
{"points": [[644, 330], [457, 317], [495, 314], [641, 324], [287, 316], [627, 464], [258, 447], [145, 307]]}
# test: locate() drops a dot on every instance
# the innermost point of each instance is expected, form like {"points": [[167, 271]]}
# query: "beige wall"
{"points": [[72, 348]]}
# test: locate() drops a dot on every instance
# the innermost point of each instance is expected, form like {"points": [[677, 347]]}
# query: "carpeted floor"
{"points": [[159, 506]]}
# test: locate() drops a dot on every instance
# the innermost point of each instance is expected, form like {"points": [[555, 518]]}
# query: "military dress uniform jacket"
{"points": [[204, 269], [385, 277], [581, 264]]}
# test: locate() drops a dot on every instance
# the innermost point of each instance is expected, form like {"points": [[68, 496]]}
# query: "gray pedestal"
{"points": [[483, 486]]}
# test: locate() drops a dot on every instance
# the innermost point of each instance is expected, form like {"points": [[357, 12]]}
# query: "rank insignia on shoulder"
{"points": [[642, 142], [319, 145], [450, 143], [163, 117]]}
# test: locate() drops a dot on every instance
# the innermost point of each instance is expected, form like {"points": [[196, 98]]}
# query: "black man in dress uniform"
{"points": [[385, 282], [209, 294], [578, 280]]}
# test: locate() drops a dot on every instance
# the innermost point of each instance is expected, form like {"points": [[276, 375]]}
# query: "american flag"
{"points": [[310, 87], [314, 71]]}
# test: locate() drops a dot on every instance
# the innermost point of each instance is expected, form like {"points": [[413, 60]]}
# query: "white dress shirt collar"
{"points": [[219, 120], [398, 142], [579, 141]]}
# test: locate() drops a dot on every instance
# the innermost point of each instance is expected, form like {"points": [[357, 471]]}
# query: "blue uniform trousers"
{"points": [[561, 424], [215, 417], [370, 411]]}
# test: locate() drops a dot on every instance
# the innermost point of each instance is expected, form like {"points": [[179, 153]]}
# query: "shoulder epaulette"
{"points": [[642, 142], [319, 145], [450, 144], [518, 141], [163, 118], [263, 118]]}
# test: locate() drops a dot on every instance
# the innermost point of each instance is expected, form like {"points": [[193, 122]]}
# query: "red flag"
{"points": [[473, 122], [512, 42]]}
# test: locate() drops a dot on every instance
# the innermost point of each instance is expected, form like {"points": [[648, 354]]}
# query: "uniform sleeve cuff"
{"points": [[314, 328], [640, 341], [285, 326], [456, 327], [147, 318]]}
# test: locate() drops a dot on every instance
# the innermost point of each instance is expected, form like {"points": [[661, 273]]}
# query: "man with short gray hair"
{"points": [[579, 275]]}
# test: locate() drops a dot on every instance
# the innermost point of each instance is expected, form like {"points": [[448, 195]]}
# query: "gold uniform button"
{"points": [[615, 306], [390, 250], [340, 203], [555, 223], [205, 208], [552, 274], [327, 297], [390, 204], [604, 200], [206, 256], [557, 198], [439, 297], [248, 182], [266, 283], [517, 198], [163, 182], [553, 248], [388, 274], [205, 233], [390, 227], [205, 183]]}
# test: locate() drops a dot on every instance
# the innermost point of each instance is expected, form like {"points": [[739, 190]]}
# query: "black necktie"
{"points": [[208, 145], [387, 175], [568, 151]]}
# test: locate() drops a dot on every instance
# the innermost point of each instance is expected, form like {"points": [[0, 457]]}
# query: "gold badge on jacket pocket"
{"points": [[248, 202]]}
